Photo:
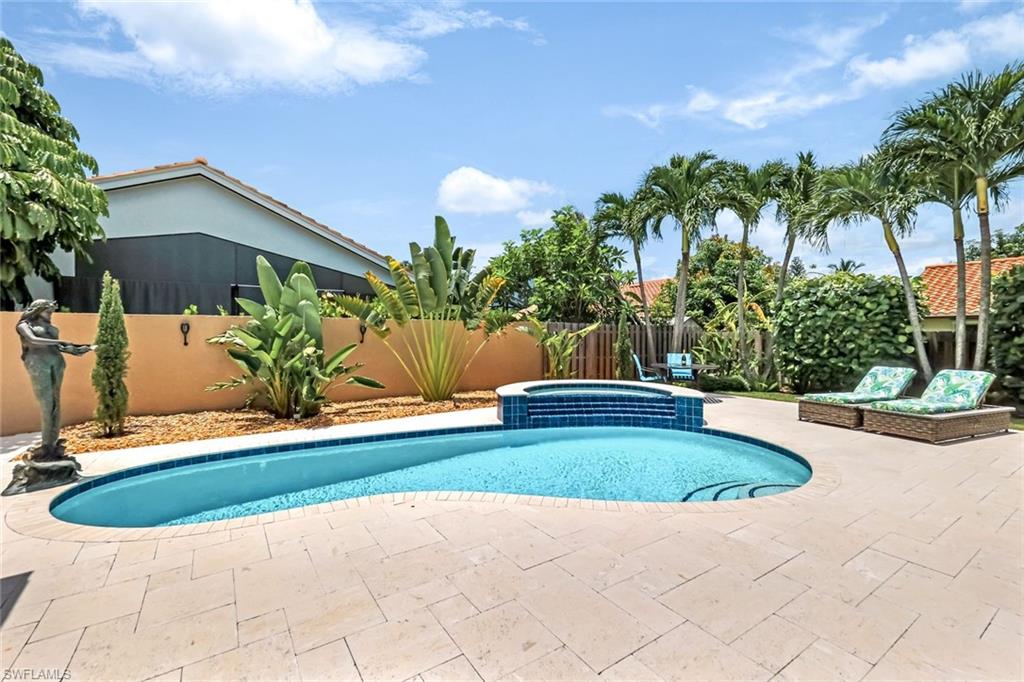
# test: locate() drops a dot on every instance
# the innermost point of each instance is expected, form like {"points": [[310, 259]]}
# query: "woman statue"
{"points": [[41, 351]]}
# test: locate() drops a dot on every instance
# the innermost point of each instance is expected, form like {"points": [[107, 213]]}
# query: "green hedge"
{"points": [[832, 329], [1006, 338]]}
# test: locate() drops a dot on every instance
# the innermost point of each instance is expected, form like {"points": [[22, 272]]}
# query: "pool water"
{"points": [[570, 390], [638, 464]]}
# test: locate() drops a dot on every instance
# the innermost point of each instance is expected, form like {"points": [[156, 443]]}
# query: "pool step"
{"points": [[735, 490]]}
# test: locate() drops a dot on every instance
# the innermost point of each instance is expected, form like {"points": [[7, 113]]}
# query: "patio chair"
{"points": [[644, 373], [950, 407], [845, 409], [680, 366]]}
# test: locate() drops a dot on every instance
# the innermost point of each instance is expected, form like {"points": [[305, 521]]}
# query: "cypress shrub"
{"points": [[111, 361], [623, 349]]}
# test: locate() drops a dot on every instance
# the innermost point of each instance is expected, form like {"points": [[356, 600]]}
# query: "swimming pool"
{"points": [[604, 463]]}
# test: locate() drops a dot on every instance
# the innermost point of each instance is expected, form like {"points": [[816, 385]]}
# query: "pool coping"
{"points": [[523, 388], [30, 514]]}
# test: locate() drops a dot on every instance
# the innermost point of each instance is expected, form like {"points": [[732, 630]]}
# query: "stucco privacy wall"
{"points": [[165, 376]]}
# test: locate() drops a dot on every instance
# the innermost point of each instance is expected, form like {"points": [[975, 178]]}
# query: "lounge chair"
{"points": [[680, 366], [844, 409], [644, 373], [950, 407]]}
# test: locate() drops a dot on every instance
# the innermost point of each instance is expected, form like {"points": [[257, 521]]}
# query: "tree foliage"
{"points": [[832, 329], [1004, 244], [111, 361], [46, 203], [1007, 335], [568, 271], [713, 276]]}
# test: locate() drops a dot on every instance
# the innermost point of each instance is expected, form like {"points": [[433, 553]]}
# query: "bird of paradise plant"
{"points": [[439, 305]]}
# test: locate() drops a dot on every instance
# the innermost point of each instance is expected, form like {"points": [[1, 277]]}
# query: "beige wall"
{"points": [[165, 376]]}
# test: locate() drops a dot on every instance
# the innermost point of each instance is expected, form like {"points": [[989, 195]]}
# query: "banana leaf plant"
{"points": [[440, 304], [281, 349], [559, 347]]}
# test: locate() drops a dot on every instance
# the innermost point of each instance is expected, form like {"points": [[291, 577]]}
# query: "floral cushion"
{"points": [[889, 381], [961, 387], [880, 383], [852, 398], [917, 406]]}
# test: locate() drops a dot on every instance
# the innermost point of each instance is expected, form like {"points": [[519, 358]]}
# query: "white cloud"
{"points": [[969, 6], [938, 54], [755, 111], [1000, 34], [446, 17], [793, 92], [228, 46], [540, 218], [699, 102], [470, 190]]}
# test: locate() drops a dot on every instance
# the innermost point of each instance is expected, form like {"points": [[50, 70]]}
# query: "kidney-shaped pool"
{"points": [[602, 463]]}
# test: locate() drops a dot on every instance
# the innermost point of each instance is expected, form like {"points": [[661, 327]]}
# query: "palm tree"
{"points": [[617, 216], [747, 194], [872, 189], [795, 207], [846, 265], [689, 192], [976, 123]]}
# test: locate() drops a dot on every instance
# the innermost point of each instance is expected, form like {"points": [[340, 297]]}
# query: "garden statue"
{"points": [[41, 351]]}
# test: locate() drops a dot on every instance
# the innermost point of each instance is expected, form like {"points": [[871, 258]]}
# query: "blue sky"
{"points": [[374, 117]]}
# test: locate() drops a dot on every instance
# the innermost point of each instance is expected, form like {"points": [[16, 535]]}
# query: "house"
{"points": [[940, 291], [652, 287], [187, 233], [940, 295]]}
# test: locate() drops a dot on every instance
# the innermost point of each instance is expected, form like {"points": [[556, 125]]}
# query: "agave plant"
{"points": [[558, 346], [281, 349], [440, 305]]}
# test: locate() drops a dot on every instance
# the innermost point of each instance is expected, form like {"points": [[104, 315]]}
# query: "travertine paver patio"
{"points": [[905, 564]]}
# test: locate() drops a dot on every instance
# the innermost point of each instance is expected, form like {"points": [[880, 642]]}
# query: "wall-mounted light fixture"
{"points": [[362, 332], [185, 327]]}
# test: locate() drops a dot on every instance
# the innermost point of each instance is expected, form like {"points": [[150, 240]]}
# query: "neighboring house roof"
{"points": [[652, 287], [199, 166], [940, 285]]}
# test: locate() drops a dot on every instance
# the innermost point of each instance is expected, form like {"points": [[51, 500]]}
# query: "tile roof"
{"points": [[940, 285], [652, 287], [201, 161]]}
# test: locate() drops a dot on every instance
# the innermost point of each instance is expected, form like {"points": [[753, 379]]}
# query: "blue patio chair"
{"points": [[644, 373], [680, 366]]}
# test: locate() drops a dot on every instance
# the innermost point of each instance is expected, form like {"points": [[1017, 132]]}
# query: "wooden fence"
{"points": [[595, 356]]}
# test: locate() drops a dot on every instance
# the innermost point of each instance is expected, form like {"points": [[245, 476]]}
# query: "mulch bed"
{"points": [[177, 428]]}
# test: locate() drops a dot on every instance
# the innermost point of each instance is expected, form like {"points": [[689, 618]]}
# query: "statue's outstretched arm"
{"points": [[25, 329]]}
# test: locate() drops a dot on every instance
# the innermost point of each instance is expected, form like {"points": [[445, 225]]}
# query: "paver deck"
{"points": [[901, 560]]}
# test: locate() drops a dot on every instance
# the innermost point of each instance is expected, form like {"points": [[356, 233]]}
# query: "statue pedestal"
{"points": [[44, 468]]}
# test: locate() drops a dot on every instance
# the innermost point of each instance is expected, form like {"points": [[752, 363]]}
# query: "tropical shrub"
{"points": [[46, 202], [623, 349], [111, 361], [832, 329], [558, 347], [569, 271], [440, 305], [1007, 336], [712, 383], [714, 267], [281, 349]]}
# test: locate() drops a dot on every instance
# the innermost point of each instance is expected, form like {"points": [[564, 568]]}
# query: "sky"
{"points": [[374, 117]]}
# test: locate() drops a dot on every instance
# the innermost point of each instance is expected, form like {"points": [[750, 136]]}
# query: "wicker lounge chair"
{"points": [[950, 407], [844, 409]]}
